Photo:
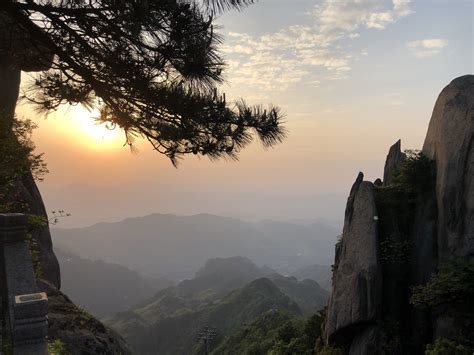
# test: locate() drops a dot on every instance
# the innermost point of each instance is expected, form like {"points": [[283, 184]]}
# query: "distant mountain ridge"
{"points": [[177, 334], [175, 246], [225, 293], [85, 280], [319, 273], [308, 294]]}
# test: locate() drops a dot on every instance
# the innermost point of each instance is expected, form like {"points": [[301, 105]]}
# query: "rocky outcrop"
{"points": [[450, 142], [356, 294], [393, 163], [18, 53], [79, 331], [425, 218], [27, 192]]}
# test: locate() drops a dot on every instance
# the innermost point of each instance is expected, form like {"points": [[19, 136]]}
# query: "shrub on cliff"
{"points": [[453, 285], [444, 346], [397, 202], [17, 157]]}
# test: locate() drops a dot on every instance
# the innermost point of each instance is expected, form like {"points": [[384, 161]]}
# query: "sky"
{"points": [[352, 77]]}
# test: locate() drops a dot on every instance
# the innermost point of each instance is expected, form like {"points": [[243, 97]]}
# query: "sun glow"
{"points": [[90, 132]]}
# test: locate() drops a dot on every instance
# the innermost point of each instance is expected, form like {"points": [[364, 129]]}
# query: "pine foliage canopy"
{"points": [[152, 66]]}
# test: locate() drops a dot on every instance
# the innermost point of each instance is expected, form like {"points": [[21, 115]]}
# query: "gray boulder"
{"points": [[450, 142], [394, 162], [357, 280]]}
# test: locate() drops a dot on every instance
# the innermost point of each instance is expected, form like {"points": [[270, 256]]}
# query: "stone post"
{"points": [[27, 309]]}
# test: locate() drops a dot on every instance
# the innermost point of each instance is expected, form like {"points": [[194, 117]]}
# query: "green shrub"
{"points": [[313, 327], [338, 248], [329, 350], [418, 173], [287, 332], [17, 158], [35, 256], [56, 347], [396, 205], [453, 285], [83, 315], [394, 250], [443, 346], [297, 345]]}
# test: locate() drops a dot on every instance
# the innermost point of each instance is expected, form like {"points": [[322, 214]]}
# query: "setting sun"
{"points": [[90, 132]]}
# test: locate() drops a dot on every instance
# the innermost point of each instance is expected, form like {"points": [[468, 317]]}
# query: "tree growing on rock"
{"points": [[151, 67]]}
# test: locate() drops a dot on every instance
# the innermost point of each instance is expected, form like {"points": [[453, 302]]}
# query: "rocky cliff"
{"points": [[17, 54], [81, 333], [394, 287], [450, 142], [356, 296], [76, 329]]}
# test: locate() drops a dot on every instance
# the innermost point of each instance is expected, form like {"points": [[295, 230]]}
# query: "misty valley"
{"points": [[163, 313]]}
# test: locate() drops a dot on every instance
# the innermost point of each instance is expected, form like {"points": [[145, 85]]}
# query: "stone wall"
{"points": [[26, 309]]}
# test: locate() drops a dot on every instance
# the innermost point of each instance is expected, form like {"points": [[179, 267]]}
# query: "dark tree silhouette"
{"points": [[152, 66]]}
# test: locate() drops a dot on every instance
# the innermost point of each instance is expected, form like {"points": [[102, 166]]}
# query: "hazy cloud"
{"points": [[427, 47], [278, 60], [337, 18]]}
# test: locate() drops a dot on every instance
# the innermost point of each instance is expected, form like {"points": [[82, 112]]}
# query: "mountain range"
{"points": [[174, 247], [85, 280], [225, 294]]}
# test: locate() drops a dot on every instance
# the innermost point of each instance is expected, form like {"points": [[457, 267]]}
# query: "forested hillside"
{"points": [[226, 294]]}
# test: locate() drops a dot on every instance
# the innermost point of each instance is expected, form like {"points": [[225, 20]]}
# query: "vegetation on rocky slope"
{"points": [[177, 334], [226, 294], [397, 203], [397, 206], [276, 333], [17, 158], [452, 288], [453, 285]]}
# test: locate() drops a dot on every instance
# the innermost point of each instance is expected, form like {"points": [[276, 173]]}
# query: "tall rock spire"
{"points": [[450, 142]]}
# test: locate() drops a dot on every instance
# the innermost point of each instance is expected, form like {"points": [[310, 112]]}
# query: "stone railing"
{"points": [[26, 313]]}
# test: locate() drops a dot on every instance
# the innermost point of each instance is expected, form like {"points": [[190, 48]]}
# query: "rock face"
{"points": [[450, 142], [27, 191], [367, 342], [394, 162], [18, 53], [356, 295], [424, 220], [79, 331]]}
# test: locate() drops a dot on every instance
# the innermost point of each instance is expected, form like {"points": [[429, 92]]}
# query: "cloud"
{"points": [[337, 18], [237, 49], [395, 100], [309, 53], [427, 47]]}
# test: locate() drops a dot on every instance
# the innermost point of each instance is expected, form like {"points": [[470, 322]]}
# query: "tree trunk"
{"points": [[10, 77], [25, 188]]}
